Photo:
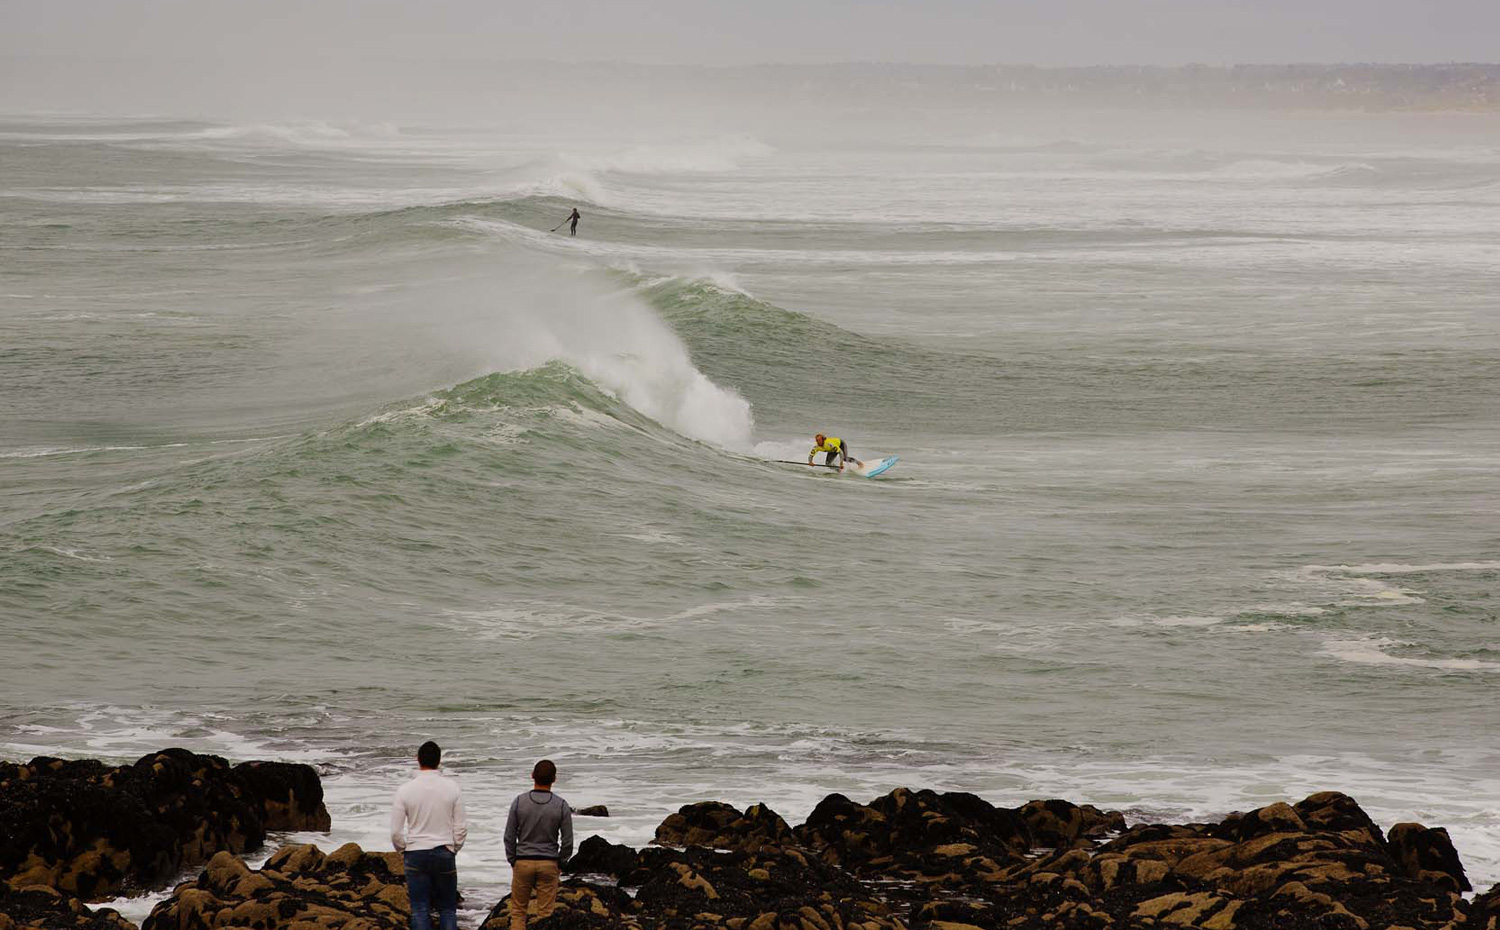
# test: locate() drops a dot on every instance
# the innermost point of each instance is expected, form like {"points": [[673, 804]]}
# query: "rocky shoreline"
{"points": [[76, 832]]}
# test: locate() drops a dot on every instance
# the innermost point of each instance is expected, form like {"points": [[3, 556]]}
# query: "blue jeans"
{"points": [[432, 882]]}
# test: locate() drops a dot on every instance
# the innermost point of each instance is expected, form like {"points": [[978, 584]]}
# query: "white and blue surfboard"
{"points": [[877, 467]]}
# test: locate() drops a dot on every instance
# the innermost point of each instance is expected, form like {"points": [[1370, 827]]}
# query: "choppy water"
{"points": [[314, 443]]}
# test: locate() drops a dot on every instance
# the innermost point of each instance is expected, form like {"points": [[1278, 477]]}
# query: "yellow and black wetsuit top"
{"points": [[830, 444]]}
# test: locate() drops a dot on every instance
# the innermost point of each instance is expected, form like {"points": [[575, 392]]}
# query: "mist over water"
{"points": [[316, 443]]}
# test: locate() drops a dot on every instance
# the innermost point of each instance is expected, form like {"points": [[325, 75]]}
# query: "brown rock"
{"points": [[1484, 911], [43, 908], [95, 831], [1186, 909], [916, 836], [1057, 824], [1170, 851], [1274, 818], [290, 795], [1314, 902], [1427, 854], [720, 826], [291, 860], [1335, 812], [299, 887]]}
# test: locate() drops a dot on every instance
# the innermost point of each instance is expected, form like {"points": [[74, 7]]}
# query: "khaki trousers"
{"points": [[532, 880]]}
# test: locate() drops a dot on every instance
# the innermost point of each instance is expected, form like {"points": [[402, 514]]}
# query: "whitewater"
{"points": [[315, 443]]}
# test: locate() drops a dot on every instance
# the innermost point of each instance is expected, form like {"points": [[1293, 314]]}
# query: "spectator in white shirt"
{"points": [[428, 829]]}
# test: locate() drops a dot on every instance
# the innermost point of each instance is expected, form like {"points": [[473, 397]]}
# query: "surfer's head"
{"points": [[819, 439]]}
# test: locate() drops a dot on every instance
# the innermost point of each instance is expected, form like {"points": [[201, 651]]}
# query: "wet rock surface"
{"points": [[717, 825], [910, 860], [1484, 911], [299, 886], [46, 908], [700, 886], [951, 840], [94, 831], [930, 861]]}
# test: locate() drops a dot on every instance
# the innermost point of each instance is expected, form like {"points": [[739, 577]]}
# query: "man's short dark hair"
{"points": [[544, 773], [429, 755]]}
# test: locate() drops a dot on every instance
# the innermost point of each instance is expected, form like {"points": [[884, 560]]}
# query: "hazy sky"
{"points": [[1044, 32]]}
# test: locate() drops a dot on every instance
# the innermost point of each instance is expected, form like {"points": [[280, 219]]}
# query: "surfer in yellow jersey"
{"points": [[835, 448]]}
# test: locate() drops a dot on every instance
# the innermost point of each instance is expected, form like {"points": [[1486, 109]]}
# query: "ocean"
{"points": [[316, 443]]}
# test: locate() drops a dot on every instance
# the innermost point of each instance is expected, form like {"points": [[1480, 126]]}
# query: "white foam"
{"points": [[716, 155], [75, 554], [524, 621], [44, 452], [425, 408], [655, 537], [723, 280], [576, 177], [1349, 588], [1354, 586], [306, 133], [1401, 568], [1273, 169], [523, 311], [1187, 621], [566, 184], [1371, 650], [665, 386], [47, 451]]}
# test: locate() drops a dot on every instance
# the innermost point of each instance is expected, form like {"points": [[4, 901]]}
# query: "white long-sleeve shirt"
{"points": [[427, 813]]}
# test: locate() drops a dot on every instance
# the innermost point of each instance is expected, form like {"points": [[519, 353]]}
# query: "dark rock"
{"points": [[948, 840], [96, 831], [1273, 818], [580, 906], [921, 815], [46, 908], [598, 856], [1105, 871], [1155, 833], [1335, 812], [700, 886], [298, 886], [955, 862], [1057, 824], [1427, 855], [596, 810], [788, 884], [1484, 911], [720, 826], [1064, 906], [291, 795]]}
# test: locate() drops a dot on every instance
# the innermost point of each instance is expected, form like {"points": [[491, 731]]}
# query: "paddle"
{"points": [[808, 464]]}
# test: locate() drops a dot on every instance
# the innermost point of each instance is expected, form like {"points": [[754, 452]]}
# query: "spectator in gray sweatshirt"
{"points": [[538, 840]]}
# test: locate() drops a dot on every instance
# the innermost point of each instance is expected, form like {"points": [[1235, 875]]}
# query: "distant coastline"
{"points": [[1455, 86], [539, 91]]}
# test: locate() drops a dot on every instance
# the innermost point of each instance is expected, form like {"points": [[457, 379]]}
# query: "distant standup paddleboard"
{"points": [[867, 470]]}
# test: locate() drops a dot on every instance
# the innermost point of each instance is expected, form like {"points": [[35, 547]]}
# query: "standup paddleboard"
{"points": [[869, 470], [877, 467]]}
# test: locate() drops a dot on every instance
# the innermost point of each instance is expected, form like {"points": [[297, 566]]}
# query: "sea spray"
{"points": [[514, 315]]}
